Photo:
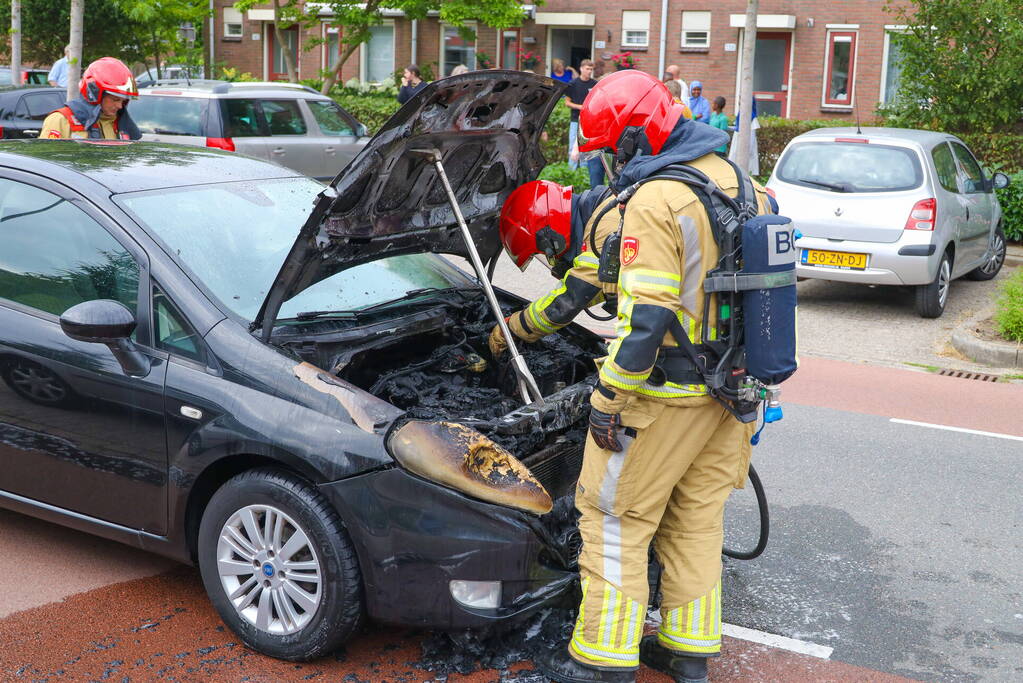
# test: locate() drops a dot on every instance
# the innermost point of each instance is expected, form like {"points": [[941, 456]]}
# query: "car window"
{"points": [[55, 256], [242, 118], [330, 118], [283, 117], [171, 332], [974, 176], [41, 105], [851, 166], [945, 166], [265, 218], [169, 115]]}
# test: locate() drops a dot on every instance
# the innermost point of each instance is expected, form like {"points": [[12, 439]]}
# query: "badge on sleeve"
{"points": [[630, 250], [53, 134]]}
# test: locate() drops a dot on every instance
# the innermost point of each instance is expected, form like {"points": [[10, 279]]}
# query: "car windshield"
{"points": [[850, 167], [235, 236]]}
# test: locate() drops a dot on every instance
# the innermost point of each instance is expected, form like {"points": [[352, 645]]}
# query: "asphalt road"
{"points": [[897, 545]]}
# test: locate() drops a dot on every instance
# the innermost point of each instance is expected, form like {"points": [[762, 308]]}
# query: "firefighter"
{"points": [[661, 455], [101, 110]]}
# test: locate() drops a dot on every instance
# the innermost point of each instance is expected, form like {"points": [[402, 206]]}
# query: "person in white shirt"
{"points": [[673, 73]]}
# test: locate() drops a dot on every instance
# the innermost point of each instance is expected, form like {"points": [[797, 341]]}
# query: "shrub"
{"points": [[1009, 308], [371, 108], [578, 178], [1011, 199]]}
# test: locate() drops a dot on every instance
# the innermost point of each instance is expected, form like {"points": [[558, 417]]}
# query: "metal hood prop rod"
{"points": [[528, 388]]}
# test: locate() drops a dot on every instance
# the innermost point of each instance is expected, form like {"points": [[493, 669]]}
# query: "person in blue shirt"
{"points": [[560, 73], [58, 72], [698, 104]]}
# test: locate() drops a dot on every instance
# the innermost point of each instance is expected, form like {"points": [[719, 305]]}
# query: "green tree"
{"points": [[962, 64], [355, 19], [158, 23]]}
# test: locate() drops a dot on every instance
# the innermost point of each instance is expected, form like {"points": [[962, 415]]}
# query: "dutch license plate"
{"points": [[833, 259]]}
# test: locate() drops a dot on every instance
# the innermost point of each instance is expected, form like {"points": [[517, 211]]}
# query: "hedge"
{"points": [[1009, 308]]}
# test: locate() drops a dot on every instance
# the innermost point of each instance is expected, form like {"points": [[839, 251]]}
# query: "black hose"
{"points": [[765, 522], [610, 316]]}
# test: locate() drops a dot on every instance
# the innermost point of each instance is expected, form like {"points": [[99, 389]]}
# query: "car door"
{"points": [[952, 203], [979, 221], [243, 125], [75, 431], [290, 143], [32, 109], [339, 136]]}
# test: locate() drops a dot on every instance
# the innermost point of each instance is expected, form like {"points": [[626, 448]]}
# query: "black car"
{"points": [[213, 358], [22, 109]]}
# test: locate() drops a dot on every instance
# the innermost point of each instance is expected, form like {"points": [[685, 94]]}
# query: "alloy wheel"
{"points": [[38, 383], [994, 261], [269, 569], [944, 278]]}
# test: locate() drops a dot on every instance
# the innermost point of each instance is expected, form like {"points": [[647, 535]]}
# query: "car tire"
{"points": [[989, 269], [931, 298], [251, 523]]}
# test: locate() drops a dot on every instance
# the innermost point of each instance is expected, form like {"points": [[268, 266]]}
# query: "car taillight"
{"points": [[221, 143], [923, 216]]}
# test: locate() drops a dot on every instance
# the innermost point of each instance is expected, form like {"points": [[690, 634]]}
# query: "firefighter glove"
{"points": [[604, 429], [497, 343]]}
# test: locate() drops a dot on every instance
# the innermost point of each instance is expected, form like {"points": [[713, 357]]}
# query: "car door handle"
{"points": [[329, 150], [31, 132], [277, 150]]}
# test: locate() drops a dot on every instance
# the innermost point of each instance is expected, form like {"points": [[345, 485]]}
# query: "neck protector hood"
{"points": [[689, 140]]}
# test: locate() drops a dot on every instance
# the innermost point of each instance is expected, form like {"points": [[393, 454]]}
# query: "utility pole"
{"points": [[749, 44], [16, 42], [74, 60]]}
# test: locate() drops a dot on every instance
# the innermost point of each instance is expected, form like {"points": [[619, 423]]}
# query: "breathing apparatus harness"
{"points": [[721, 361]]}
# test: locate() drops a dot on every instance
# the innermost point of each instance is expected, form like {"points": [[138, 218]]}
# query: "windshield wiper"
{"points": [[834, 187], [410, 294]]}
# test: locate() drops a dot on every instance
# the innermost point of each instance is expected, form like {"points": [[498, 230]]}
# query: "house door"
{"points": [[510, 49], [278, 67], [771, 73], [570, 45]]}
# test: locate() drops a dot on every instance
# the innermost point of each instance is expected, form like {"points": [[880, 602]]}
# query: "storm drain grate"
{"points": [[962, 374]]}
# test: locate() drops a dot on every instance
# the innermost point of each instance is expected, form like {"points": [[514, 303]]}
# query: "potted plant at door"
{"points": [[528, 59], [484, 61], [623, 61]]}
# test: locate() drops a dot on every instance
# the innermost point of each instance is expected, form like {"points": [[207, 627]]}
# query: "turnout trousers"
{"points": [[669, 484]]}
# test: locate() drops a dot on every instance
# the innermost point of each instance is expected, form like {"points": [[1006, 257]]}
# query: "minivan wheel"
{"points": [[989, 269], [931, 298], [279, 567]]}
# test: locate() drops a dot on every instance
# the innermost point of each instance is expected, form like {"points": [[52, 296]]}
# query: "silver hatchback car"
{"points": [[889, 206], [286, 123]]}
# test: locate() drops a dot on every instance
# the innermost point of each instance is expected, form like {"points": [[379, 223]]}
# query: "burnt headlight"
{"points": [[461, 458]]}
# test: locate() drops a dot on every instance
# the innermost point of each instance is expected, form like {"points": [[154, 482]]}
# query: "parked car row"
{"points": [[889, 206], [28, 76]]}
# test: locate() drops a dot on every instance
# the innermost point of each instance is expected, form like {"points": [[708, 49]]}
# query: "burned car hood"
{"points": [[390, 200]]}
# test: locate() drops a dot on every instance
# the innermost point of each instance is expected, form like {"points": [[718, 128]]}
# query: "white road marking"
{"points": [[956, 429], [781, 642]]}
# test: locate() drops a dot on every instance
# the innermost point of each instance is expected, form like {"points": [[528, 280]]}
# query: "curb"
{"points": [[998, 354]]}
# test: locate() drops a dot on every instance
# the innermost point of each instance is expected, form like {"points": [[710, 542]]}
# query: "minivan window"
{"points": [[974, 176], [168, 115], [851, 167], [283, 117], [40, 105], [329, 117], [241, 119], [945, 166]]}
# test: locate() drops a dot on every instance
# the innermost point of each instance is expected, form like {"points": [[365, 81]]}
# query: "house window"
{"points": [[635, 28], [378, 54], [510, 49], [891, 72], [839, 79], [456, 50], [696, 29], [232, 23], [331, 46]]}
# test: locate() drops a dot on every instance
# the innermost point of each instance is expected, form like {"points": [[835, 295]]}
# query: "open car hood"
{"points": [[389, 200]]}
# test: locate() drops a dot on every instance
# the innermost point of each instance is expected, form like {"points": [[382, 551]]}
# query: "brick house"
{"points": [[814, 59]]}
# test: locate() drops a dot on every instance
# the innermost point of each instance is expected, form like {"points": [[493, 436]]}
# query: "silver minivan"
{"points": [[890, 206], [286, 123]]}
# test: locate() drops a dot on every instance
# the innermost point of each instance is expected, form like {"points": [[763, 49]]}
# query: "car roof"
{"points": [[21, 89], [225, 89], [920, 137], [122, 166]]}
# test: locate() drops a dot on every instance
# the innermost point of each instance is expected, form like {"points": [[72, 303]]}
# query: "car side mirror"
{"points": [[999, 181], [361, 130], [104, 321]]}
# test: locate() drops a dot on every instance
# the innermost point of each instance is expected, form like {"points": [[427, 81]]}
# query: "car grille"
{"points": [[557, 467]]}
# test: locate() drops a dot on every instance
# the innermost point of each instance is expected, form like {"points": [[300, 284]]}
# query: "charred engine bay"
{"points": [[431, 360]]}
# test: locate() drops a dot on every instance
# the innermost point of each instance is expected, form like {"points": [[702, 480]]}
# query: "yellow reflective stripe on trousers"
{"points": [[535, 312], [695, 626], [619, 630]]}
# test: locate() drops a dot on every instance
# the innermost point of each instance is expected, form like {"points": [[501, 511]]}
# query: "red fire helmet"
{"points": [[107, 75], [537, 219], [623, 99]]}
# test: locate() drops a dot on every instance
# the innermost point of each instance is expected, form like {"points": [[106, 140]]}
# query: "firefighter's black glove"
{"points": [[604, 429]]}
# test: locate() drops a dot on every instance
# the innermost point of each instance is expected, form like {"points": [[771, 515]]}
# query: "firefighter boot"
{"points": [[682, 668], [558, 666]]}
